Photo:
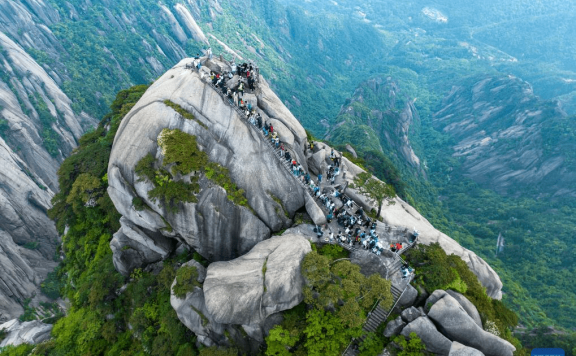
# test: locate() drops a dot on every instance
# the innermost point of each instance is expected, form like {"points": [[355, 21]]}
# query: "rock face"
{"points": [[456, 324], [264, 281], [193, 314], [394, 327], [28, 178], [468, 306], [501, 130], [458, 349], [134, 248], [243, 296], [433, 340], [214, 226], [30, 332]]}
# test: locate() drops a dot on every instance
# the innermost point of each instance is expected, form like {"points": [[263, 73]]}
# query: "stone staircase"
{"points": [[277, 152], [375, 318]]}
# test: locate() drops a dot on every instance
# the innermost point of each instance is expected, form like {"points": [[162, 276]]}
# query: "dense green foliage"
{"points": [[411, 347], [186, 280]]}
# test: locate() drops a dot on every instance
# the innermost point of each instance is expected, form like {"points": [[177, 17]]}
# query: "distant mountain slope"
{"points": [[509, 139]]}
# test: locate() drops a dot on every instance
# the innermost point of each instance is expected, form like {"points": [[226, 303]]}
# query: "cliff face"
{"points": [[379, 116], [38, 129], [507, 138]]}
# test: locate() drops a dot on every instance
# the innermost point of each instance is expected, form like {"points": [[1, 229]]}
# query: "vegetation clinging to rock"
{"points": [[183, 156], [186, 280]]}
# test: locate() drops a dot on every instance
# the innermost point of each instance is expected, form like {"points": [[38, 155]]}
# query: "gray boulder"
{"points": [[458, 349], [433, 340], [133, 247], [317, 162], [284, 133], [29, 332], [408, 298], [410, 314], [369, 263], [264, 281], [468, 306], [434, 297], [456, 324], [315, 212], [394, 327]]}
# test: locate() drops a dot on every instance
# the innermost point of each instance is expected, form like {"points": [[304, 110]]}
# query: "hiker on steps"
{"points": [[241, 89]]}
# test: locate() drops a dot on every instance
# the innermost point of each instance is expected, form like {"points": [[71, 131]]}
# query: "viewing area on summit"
{"points": [[341, 219]]}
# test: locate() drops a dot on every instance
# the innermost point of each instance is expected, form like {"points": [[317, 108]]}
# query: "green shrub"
{"points": [[139, 203], [411, 347], [20, 350], [333, 252], [52, 285], [186, 280]]}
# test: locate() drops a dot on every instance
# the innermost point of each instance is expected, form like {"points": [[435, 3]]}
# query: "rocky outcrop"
{"points": [[193, 314], [214, 226], [28, 332], [467, 305], [410, 314], [394, 327], [243, 296], [434, 341], [456, 324], [402, 215], [458, 349], [133, 247], [31, 102], [264, 281], [23, 222]]}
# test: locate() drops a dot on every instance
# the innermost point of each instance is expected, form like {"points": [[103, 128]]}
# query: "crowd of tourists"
{"points": [[354, 228]]}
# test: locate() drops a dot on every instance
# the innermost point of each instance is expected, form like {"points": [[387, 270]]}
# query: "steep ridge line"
{"points": [[260, 134]]}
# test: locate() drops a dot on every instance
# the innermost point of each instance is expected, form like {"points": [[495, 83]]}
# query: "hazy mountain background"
{"points": [[472, 104]]}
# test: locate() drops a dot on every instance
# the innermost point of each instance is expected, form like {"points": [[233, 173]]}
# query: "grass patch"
{"points": [[333, 252], [264, 269], [186, 280], [139, 204], [185, 114]]}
